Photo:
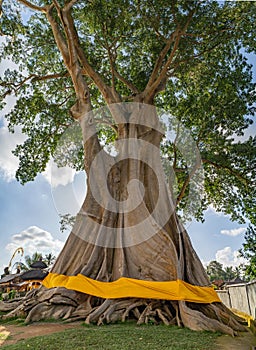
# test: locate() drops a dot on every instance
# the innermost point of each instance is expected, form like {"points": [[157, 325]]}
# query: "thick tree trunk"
{"points": [[127, 227]]}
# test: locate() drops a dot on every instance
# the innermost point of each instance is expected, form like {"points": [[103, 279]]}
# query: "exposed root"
{"points": [[197, 320], [68, 305], [133, 307]]}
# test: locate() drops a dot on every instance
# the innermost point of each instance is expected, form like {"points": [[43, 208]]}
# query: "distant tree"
{"points": [[20, 267], [248, 251], [49, 259], [239, 271], [215, 271], [229, 273], [31, 259]]}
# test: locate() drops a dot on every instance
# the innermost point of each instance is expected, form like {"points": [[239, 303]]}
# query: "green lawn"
{"points": [[126, 336]]}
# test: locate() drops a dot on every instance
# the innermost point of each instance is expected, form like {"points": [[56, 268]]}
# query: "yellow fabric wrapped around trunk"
{"points": [[133, 288]]}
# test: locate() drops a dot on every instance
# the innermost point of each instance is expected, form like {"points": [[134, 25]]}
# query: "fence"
{"points": [[241, 297]]}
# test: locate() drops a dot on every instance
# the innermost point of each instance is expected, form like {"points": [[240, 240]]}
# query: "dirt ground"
{"points": [[246, 341], [11, 334]]}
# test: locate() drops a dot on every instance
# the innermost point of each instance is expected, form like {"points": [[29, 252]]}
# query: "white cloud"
{"points": [[34, 239], [212, 210], [8, 162], [234, 232], [227, 257], [58, 176], [8, 141]]}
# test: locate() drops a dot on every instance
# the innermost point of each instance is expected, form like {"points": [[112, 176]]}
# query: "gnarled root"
{"points": [[65, 304], [212, 317]]}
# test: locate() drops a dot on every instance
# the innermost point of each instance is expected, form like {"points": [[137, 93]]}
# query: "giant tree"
{"points": [[132, 58]]}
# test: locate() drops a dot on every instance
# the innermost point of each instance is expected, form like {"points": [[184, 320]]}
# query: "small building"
{"points": [[236, 280], [24, 281]]}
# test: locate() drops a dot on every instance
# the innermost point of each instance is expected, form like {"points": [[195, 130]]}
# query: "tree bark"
{"points": [[127, 227]]}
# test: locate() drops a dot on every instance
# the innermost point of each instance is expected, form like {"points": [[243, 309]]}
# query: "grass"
{"points": [[126, 336], [3, 336], [13, 320]]}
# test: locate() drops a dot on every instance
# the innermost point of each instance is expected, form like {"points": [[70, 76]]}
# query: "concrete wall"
{"points": [[241, 297], [251, 292]]}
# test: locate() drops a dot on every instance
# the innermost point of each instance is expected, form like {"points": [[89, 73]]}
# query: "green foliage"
{"points": [[208, 86], [12, 294], [248, 251]]}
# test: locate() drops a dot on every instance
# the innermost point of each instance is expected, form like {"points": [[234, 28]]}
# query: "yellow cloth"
{"points": [[133, 288]]}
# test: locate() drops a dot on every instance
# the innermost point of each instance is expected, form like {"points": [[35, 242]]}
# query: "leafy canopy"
{"points": [[188, 57], [248, 251]]}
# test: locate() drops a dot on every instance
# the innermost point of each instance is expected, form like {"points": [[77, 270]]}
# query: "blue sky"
{"points": [[29, 214]]}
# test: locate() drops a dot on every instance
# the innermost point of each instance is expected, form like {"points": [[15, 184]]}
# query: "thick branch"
{"points": [[157, 79], [161, 57], [112, 67], [70, 35], [32, 6], [69, 5], [60, 41], [68, 51], [96, 78]]}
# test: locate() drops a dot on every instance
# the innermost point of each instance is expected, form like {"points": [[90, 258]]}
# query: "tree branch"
{"points": [[108, 95], [59, 39], [216, 165], [106, 122], [175, 148], [177, 63], [159, 78], [186, 183], [161, 57], [69, 5], [68, 50], [230, 170], [112, 65], [32, 6], [49, 76], [32, 77], [129, 84]]}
